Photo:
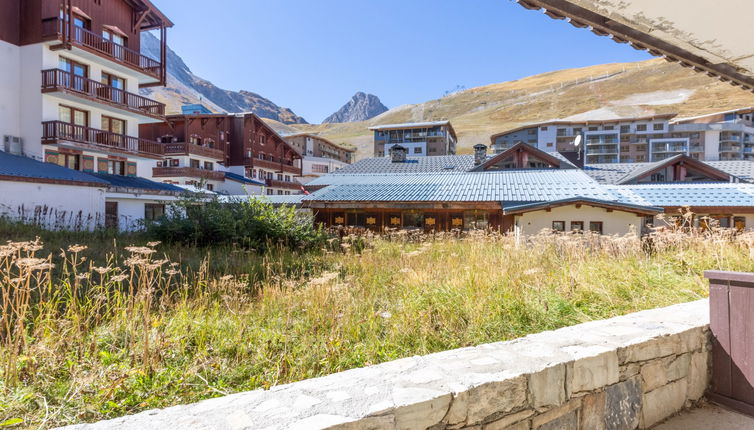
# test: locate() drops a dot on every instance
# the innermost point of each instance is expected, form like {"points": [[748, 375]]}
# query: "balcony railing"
{"points": [[274, 183], [57, 28], [57, 80], [186, 148], [730, 148], [285, 166], [189, 172], [55, 131]]}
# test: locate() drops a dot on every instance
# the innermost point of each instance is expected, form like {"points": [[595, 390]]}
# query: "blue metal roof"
{"points": [[686, 194], [526, 185], [433, 163], [135, 182], [193, 109], [25, 167], [240, 178]]}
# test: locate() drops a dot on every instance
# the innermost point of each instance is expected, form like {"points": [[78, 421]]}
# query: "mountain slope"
{"points": [[185, 87], [361, 107], [605, 91]]}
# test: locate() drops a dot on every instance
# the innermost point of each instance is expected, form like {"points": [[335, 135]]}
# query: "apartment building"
{"points": [[69, 92], [197, 153], [319, 156], [718, 136], [420, 138], [262, 154]]}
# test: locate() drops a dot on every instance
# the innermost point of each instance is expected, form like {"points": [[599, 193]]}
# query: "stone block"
{"points": [[547, 387], [591, 373], [593, 411], [658, 347], [510, 421], [698, 375], [496, 398], [657, 373], [382, 422], [663, 402], [629, 370], [555, 415], [458, 409], [568, 421], [623, 404], [419, 407]]}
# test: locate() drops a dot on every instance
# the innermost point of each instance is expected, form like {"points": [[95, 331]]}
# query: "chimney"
{"points": [[398, 153], [480, 153]]}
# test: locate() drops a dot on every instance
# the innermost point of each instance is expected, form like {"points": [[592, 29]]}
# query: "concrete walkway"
{"points": [[706, 418]]}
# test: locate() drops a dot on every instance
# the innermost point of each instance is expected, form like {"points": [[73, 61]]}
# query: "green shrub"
{"points": [[253, 223]]}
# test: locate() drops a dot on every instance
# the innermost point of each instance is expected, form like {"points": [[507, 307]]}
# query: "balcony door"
{"points": [[81, 24], [114, 89], [118, 42], [74, 123], [75, 75], [115, 132]]}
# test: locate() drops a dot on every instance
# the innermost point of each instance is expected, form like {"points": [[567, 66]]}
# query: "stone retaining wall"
{"points": [[622, 373]]}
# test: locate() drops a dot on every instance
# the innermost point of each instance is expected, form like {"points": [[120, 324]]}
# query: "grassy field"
{"points": [[97, 326]]}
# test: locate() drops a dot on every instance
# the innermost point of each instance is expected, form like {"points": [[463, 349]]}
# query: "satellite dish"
{"points": [[577, 141]]}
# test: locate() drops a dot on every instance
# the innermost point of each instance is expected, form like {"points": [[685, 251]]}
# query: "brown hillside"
{"points": [[610, 90]]}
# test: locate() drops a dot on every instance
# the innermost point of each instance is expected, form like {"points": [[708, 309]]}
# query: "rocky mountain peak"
{"points": [[361, 107]]}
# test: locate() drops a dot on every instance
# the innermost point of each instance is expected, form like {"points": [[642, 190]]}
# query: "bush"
{"points": [[253, 223]]}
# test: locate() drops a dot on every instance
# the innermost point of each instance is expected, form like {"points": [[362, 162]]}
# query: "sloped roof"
{"points": [[434, 163], [686, 194], [648, 168], [239, 178], [613, 173], [20, 168], [611, 204], [559, 161], [118, 182], [522, 185]]}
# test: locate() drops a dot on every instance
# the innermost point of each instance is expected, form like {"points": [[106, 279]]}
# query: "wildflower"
{"points": [[83, 276], [101, 270], [172, 272], [226, 278], [136, 261], [119, 278], [153, 244], [29, 262], [76, 248], [141, 250]]}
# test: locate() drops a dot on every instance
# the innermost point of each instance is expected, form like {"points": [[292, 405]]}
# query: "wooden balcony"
{"points": [[274, 183], [186, 148], [58, 131], [56, 28], [189, 172], [59, 80], [275, 165]]}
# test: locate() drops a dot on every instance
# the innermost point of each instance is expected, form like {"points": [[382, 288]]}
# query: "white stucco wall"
{"points": [[332, 165], [131, 208], [615, 222], [63, 204], [10, 90]]}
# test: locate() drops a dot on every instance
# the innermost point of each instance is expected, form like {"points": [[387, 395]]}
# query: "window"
{"points": [[413, 219], [269, 192], [113, 125], [115, 167], [640, 158], [319, 168], [593, 128], [280, 192], [417, 150], [576, 130], [658, 127], [562, 132], [641, 127], [657, 177], [194, 163], [153, 211], [195, 140], [558, 225], [543, 128], [577, 226], [549, 144], [71, 161], [287, 178], [208, 165], [595, 227], [609, 127], [625, 129], [473, 220], [287, 193], [78, 73], [114, 37], [113, 81], [624, 148], [73, 116], [262, 139], [260, 156], [532, 131], [253, 173], [269, 175], [280, 176], [210, 187], [739, 223]]}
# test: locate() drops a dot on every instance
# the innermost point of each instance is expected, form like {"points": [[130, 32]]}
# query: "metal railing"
{"points": [[54, 131], [55, 79], [185, 148], [80, 36]]}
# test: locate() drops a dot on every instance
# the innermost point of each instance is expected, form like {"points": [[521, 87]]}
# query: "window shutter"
{"points": [[88, 163], [51, 156], [102, 165], [131, 168]]}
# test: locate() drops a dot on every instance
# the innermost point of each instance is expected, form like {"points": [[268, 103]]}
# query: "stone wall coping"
{"points": [[402, 391]]}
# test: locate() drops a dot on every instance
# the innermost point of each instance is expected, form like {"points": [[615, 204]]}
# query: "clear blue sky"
{"points": [[313, 55]]}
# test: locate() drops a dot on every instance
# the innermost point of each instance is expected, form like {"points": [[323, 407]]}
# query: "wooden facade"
{"points": [[434, 218], [206, 135], [35, 21], [254, 144]]}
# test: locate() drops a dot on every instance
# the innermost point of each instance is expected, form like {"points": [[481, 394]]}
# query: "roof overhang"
{"points": [[519, 209], [398, 205], [519, 147], [685, 160], [709, 38]]}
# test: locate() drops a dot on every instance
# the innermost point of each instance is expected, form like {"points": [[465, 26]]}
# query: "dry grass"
{"points": [[85, 335]]}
